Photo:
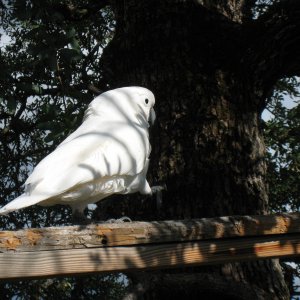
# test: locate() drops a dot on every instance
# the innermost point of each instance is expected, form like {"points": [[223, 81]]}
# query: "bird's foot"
{"points": [[157, 189], [121, 220]]}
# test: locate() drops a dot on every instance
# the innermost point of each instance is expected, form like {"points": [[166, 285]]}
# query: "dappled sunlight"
{"points": [[107, 154], [106, 247], [213, 66]]}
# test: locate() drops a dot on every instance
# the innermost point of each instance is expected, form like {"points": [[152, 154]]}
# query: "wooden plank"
{"points": [[135, 233], [15, 265]]}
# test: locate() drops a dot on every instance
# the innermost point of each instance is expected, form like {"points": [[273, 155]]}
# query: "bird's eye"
{"points": [[146, 101]]}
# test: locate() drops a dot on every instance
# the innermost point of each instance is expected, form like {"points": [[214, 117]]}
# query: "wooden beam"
{"points": [[147, 257], [56, 251], [135, 233]]}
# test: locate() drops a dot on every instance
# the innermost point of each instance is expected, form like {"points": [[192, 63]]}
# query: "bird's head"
{"points": [[127, 103], [145, 101]]}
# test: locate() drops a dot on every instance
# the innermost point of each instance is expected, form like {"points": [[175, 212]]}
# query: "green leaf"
{"points": [[11, 105], [70, 55], [70, 33], [37, 89]]}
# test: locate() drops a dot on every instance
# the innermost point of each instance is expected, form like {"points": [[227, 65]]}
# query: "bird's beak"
{"points": [[152, 116]]}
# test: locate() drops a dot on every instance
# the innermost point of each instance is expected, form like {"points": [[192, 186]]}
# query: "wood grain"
{"points": [[106, 247], [15, 265], [135, 233]]}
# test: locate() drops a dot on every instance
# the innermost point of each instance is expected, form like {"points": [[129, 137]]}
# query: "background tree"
{"points": [[213, 66], [283, 140]]}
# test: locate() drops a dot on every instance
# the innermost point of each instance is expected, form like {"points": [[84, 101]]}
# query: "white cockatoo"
{"points": [[107, 154]]}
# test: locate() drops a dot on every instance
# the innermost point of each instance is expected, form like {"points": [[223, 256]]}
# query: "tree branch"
{"points": [[76, 12], [211, 284], [55, 91], [236, 11], [275, 50]]}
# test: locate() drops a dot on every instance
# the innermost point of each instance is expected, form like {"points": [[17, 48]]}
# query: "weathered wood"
{"points": [[71, 250], [147, 257], [134, 233]]}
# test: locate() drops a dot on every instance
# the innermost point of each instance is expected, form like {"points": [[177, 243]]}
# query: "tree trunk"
{"points": [[207, 145]]}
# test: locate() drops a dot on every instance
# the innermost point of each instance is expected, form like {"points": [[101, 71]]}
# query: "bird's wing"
{"points": [[94, 151]]}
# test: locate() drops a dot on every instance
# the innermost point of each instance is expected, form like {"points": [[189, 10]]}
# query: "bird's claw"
{"points": [[157, 189], [121, 220]]}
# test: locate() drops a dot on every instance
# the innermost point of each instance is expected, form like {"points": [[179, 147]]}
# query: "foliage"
{"points": [[283, 141], [50, 71], [282, 135], [89, 287]]}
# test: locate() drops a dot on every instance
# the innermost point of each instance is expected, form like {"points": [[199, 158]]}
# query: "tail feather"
{"points": [[20, 202]]}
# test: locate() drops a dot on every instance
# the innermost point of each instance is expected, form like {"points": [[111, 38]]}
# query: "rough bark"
{"points": [[275, 48], [207, 146]]}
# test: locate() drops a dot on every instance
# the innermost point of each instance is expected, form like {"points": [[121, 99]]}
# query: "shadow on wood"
{"points": [[96, 248]]}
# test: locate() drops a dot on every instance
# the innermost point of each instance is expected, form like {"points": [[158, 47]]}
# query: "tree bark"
{"points": [[207, 145], [275, 45]]}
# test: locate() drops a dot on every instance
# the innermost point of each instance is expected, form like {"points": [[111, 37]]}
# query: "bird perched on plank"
{"points": [[108, 154]]}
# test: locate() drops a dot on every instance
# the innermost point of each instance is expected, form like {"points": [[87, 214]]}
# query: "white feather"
{"points": [[107, 154]]}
